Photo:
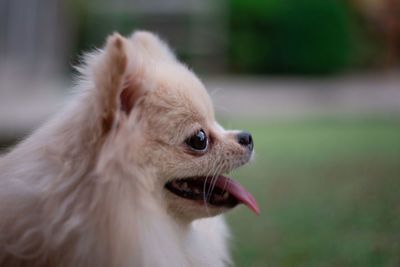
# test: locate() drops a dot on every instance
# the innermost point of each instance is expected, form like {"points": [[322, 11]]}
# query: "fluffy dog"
{"points": [[129, 174]]}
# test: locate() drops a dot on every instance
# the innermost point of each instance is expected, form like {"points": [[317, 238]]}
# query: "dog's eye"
{"points": [[198, 141]]}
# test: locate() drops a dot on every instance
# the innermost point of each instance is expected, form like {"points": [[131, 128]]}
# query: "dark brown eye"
{"points": [[198, 141]]}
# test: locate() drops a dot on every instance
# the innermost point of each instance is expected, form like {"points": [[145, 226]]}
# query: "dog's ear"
{"points": [[118, 79], [154, 46], [109, 75], [146, 45]]}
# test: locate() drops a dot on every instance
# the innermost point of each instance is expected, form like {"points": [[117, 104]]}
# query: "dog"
{"points": [[129, 173]]}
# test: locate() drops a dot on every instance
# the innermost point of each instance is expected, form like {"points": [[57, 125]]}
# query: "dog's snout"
{"points": [[244, 138]]}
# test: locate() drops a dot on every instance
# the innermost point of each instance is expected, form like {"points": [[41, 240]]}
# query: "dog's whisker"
{"points": [[205, 195], [221, 108], [216, 175], [226, 181], [212, 170], [214, 179], [210, 175], [213, 92]]}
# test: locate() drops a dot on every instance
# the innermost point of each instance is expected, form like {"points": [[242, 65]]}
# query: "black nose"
{"points": [[245, 139]]}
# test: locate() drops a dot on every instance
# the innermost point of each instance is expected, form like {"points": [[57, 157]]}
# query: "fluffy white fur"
{"points": [[87, 188]]}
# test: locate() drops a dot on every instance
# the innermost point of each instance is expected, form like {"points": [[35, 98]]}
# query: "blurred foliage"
{"points": [[93, 26], [292, 36], [264, 36]]}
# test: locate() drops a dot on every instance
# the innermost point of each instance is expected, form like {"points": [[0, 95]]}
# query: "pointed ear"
{"points": [[131, 93], [109, 74], [154, 46]]}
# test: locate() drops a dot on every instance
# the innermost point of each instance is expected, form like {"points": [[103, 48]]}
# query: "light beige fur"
{"points": [[87, 188]]}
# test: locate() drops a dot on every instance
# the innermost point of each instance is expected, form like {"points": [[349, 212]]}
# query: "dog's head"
{"points": [[164, 135]]}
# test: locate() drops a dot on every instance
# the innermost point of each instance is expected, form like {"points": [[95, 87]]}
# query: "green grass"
{"points": [[329, 194]]}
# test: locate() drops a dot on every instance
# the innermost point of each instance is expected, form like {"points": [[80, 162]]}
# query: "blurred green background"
{"points": [[258, 36], [328, 190], [316, 82]]}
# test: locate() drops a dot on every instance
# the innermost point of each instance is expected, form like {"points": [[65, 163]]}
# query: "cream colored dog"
{"points": [[129, 174]]}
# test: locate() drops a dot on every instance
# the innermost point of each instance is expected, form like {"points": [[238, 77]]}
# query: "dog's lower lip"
{"points": [[200, 189], [221, 191]]}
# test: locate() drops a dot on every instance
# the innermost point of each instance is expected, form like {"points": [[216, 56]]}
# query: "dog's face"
{"points": [[168, 131]]}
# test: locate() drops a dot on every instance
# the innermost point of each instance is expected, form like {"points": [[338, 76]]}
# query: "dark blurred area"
{"points": [[232, 36], [263, 37], [317, 82]]}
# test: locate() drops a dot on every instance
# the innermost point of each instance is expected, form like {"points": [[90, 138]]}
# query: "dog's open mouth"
{"points": [[222, 191]]}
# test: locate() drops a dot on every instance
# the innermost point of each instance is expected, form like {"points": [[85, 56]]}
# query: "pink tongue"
{"points": [[237, 190]]}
